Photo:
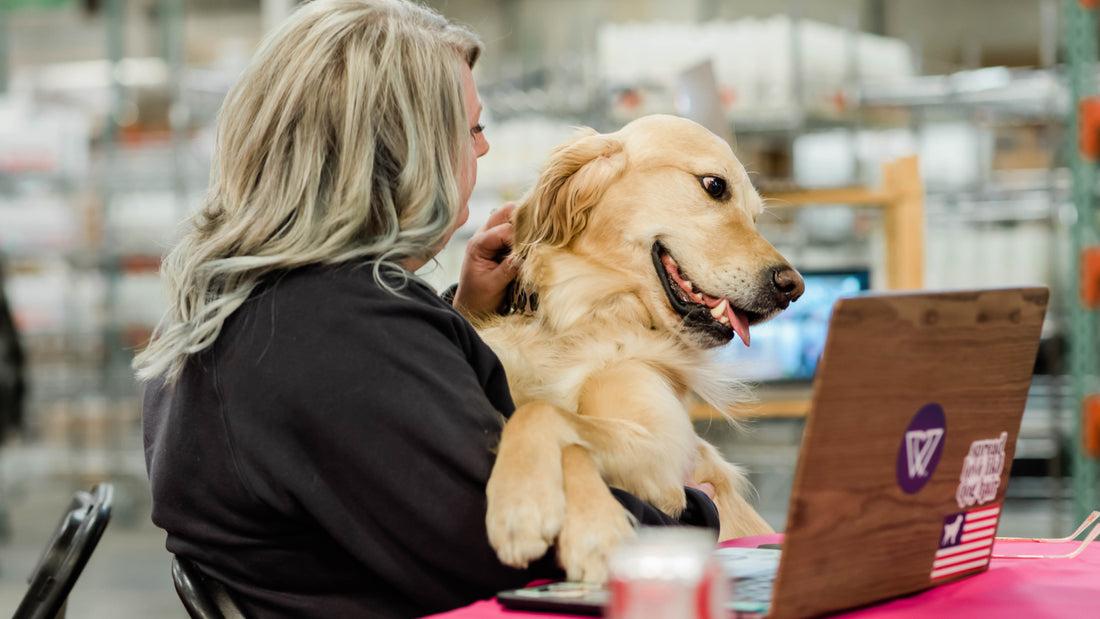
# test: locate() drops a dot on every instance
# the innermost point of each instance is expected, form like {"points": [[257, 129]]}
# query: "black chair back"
{"points": [[203, 597], [72, 544]]}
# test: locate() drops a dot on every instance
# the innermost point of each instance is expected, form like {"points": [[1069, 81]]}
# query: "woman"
{"points": [[318, 423]]}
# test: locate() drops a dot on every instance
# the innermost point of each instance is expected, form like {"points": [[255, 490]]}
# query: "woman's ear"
{"points": [[576, 174]]}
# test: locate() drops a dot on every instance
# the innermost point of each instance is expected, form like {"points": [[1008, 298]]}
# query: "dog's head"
{"points": [[665, 212]]}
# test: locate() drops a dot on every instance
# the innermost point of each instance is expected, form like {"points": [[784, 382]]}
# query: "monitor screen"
{"points": [[787, 347]]}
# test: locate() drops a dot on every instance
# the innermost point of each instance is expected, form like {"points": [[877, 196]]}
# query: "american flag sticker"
{"points": [[966, 542]]}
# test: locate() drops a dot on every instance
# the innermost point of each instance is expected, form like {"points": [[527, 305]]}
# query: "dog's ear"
{"points": [[574, 179]]}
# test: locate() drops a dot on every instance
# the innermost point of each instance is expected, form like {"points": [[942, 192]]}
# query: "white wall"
{"points": [[949, 33], [519, 34], [1003, 31]]}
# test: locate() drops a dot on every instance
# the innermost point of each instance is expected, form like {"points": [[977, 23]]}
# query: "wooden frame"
{"points": [[901, 199]]}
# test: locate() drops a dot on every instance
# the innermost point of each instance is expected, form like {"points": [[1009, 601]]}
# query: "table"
{"points": [[1063, 588]]}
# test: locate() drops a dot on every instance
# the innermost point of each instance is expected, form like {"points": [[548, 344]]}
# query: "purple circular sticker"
{"points": [[921, 448]]}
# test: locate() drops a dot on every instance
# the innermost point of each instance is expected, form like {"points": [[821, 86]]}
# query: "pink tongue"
{"points": [[740, 324]]}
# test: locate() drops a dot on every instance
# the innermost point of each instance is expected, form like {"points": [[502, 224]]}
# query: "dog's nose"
{"points": [[788, 285]]}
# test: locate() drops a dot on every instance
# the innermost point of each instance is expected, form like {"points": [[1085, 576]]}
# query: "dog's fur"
{"points": [[603, 370]]}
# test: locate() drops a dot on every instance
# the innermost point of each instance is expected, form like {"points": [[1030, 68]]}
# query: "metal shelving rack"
{"points": [[84, 403], [1080, 39]]}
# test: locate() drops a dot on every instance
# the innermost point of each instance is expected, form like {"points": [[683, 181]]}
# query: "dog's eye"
{"points": [[714, 186]]}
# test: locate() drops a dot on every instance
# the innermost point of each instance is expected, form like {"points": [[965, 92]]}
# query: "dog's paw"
{"points": [[590, 534], [523, 519]]}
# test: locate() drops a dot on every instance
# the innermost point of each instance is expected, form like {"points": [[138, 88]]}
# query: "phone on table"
{"points": [[573, 598], [750, 573]]}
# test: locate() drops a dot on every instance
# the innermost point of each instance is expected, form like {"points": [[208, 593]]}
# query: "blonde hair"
{"points": [[341, 140]]}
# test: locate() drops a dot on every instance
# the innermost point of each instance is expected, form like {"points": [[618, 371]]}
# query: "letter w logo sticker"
{"points": [[919, 446]]}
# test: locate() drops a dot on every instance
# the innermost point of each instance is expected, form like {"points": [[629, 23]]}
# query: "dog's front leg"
{"points": [[526, 498], [737, 517], [640, 435], [595, 522]]}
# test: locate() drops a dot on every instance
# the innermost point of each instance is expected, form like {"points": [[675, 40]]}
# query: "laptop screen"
{"points": [[788, 347]]}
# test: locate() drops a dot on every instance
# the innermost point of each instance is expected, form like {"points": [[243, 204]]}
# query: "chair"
{"points": [[72, 544], [204, 598]]}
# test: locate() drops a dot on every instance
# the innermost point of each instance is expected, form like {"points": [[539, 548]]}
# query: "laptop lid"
{"points": [[906, 452]]}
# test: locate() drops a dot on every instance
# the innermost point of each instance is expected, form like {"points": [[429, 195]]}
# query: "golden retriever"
{"points": [[641, 253]]}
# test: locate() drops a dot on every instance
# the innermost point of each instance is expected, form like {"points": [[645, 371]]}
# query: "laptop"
{"points": [[905, 455]]}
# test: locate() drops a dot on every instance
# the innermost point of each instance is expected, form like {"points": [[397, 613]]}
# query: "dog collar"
{"points": [[520, 300]]}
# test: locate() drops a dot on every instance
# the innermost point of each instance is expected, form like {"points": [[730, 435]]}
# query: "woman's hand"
{"points": [[487, 268], [705, 487]]}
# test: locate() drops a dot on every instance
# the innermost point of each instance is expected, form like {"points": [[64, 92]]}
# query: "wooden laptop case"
{"points": [[854, 534]]}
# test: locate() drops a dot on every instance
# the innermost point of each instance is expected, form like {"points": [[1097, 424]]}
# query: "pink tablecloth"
{"points": [[1063, 588]]}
